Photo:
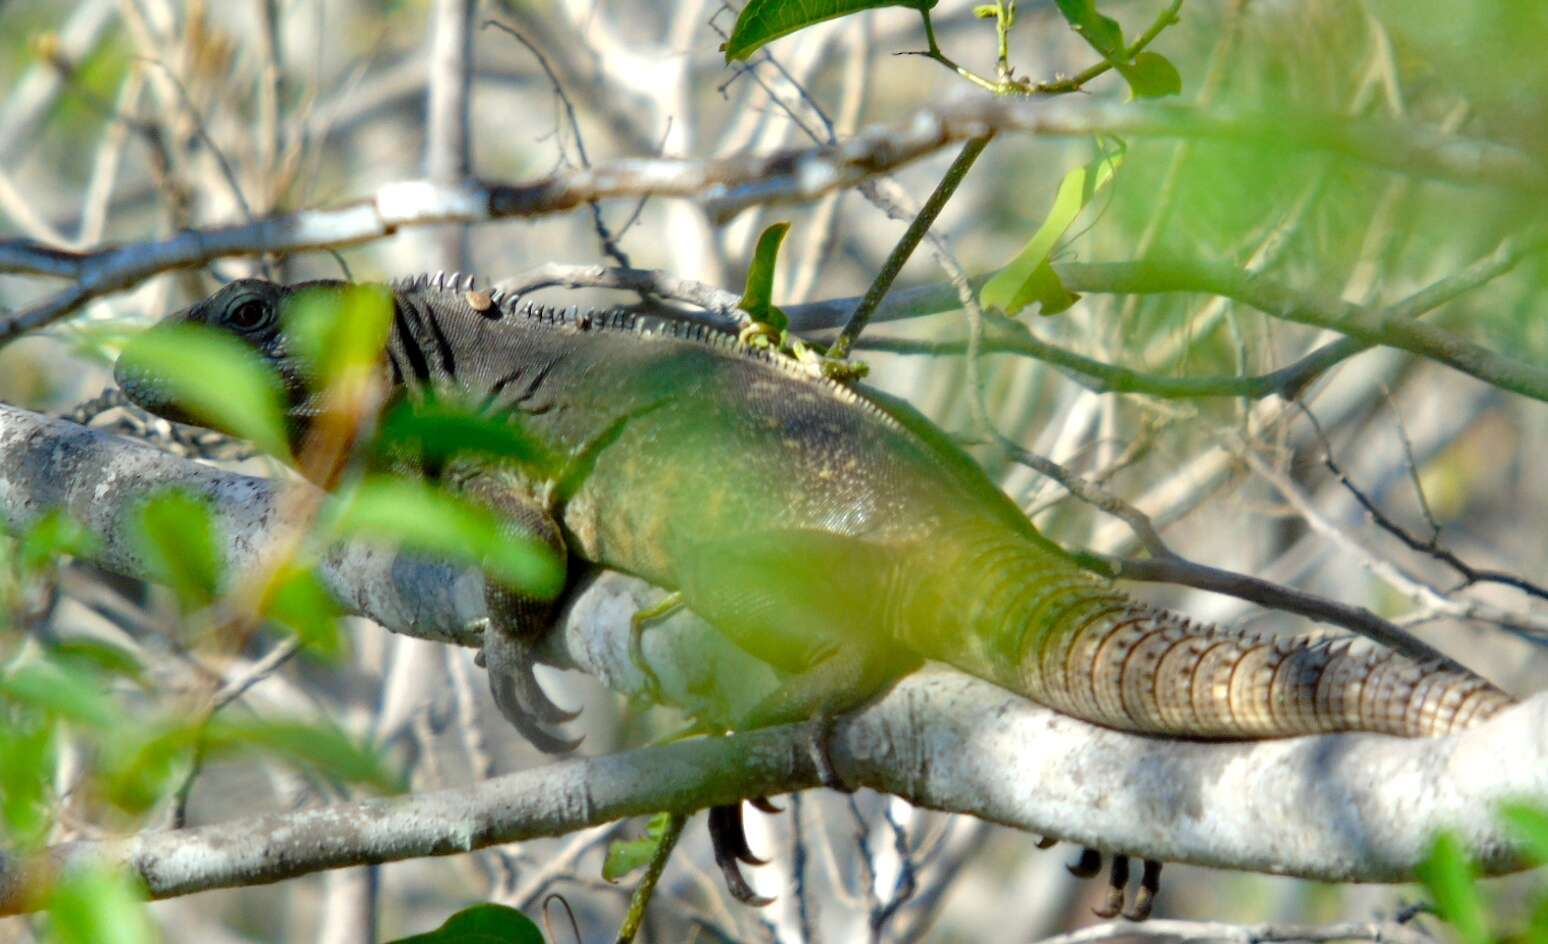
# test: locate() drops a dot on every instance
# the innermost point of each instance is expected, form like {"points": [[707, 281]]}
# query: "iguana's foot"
{"points": [[518, 695], [662, 608], [1090, 863], [728, 837], [821, 746]]}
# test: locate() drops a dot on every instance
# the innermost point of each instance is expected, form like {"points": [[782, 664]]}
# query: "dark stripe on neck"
{"points": [[408, 342]]}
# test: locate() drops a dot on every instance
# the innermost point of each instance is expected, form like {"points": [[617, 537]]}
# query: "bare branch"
{"points": [[727, 185]]}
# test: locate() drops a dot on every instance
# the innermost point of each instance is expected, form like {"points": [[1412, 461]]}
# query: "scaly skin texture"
{"points": [[819, 525]]}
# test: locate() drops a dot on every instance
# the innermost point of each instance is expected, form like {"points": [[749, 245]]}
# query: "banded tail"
{"points": [[1037, 625]]}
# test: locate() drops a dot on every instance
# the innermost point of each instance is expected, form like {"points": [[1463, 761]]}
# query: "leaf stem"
{"points": [[906, 246], [635, 916]]}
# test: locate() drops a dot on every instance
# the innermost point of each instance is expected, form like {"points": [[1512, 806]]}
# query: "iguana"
{"points": [[826, 528]]}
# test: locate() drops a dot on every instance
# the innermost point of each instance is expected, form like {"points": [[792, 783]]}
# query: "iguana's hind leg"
{"points": [[518, 618], [793, 599], [842, 682]]}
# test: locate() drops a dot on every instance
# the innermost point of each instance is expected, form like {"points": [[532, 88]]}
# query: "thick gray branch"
{"points": [[1356, 807]]}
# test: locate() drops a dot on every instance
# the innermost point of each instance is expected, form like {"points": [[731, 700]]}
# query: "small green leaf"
{"points": [[214, 378], [1152, 75], [626, 855], [301, 603], [339, 330], [763, 21], [758, 298], [434, 431], [26, 788], [176, 537], [314, 745], [486, 923], [426, 519], [64, 692], [1452, 882], [99, 907], [55, 534], [1029, 278], [1102, 32], [97, 655], [1531, 825]]}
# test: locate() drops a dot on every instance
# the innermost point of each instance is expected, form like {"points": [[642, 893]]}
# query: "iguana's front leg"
{"points": [[518, 619]]}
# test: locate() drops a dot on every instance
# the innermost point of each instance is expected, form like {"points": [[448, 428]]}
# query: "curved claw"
{"points": [[1145, 898], [1117, 881], [728, 830], [1046, 842], [765, 805], [519, 696], [729, 841], [1089, 864]]}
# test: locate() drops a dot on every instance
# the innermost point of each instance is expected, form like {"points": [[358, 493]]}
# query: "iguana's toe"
{"points": [[1117, 882], [518, 695], [1145, 898], [1088, 865], [728, 837]]}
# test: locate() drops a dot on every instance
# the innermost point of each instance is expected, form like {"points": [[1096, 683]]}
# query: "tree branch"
{"points": [[728, 185]]}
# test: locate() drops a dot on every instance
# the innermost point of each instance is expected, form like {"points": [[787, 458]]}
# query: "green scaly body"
{"points": [[809, 521]]}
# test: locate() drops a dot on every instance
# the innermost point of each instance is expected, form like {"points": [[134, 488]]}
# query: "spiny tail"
{"points": [[1073, 642]]}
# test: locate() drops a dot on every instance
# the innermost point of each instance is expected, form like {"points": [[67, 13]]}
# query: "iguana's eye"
{"points": [[248, 314]]}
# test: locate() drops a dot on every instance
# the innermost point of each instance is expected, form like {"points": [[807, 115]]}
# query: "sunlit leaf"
{"points": [[758, 298], [339, 330], [26, 766], [1029, 278], [1152, 75], [1102, 32], [301, 603], [55, 534], [314, 745], [1530, 824], [763, 21], [214, 378], [486, 923], [1452, 882], [176, 538], [99, 907], [426, 519], [626, 855], [436, 430], [96, 654], [65, 692]]}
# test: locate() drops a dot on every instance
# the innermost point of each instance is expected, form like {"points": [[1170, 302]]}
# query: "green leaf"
{"points": [[301, 603], [486, 923], [1531, 825], [339, 330], [216, 379], [1452, 882], [26, 773], [315, 745], [55, 534], [176, 538], [417, 516], [1102, 32], [626, 855], [434, 431], [1029, 278], [758, 297], [763, 21], [99, 907], [63, 692], [1152, 75], [97, 655]]}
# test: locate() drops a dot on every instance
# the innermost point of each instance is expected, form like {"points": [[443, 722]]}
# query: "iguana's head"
{"points": [[252, 311]]}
